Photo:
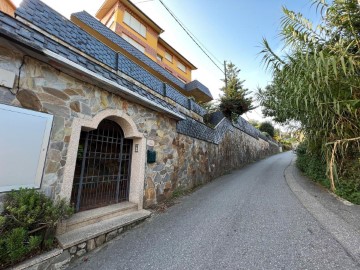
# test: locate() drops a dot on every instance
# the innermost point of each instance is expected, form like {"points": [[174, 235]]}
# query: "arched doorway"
{"points": [[103, 166]]}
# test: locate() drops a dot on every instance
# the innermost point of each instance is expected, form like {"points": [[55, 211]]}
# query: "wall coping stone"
{"points": [[38, 259]]}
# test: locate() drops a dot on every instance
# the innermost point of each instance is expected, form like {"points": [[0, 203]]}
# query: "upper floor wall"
{"points": [[7, 7]]}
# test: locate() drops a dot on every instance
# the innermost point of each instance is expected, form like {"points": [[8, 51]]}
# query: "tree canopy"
{"points": [[268, 128], [234, 101], [317, 81]]}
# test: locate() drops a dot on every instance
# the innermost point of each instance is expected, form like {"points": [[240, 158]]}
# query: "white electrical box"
{"points": [[24, 139]]}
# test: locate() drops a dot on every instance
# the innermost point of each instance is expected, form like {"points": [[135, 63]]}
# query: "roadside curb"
{"points": [[343, 232]]}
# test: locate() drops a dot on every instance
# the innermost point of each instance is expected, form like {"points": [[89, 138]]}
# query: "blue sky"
{"points": [[231, 30]]}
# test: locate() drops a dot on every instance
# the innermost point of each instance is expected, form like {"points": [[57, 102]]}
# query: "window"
{"points": [[181, 66], [159, 57], [134, 24], [168, 56], [134, 43], [24, 141]]}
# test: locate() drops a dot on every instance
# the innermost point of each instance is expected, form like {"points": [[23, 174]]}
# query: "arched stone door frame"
{"points": [[138, 153]]}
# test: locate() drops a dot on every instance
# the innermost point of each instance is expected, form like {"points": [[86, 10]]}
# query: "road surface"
{"points": [[249, 219]]}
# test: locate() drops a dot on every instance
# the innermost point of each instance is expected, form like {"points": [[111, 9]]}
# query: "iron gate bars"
{"points": [[102, 173]]}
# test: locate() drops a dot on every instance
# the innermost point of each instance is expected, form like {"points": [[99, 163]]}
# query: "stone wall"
{"points": [[182, 161], [190, 162]]}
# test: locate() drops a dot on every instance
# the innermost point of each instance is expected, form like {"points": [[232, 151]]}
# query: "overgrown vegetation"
{"points": [[234, 101], [317, 84], [314, 167], [27, 224], [268, 128]]}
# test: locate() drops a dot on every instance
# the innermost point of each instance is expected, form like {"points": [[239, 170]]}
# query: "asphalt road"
{"points": [[249, 219]]}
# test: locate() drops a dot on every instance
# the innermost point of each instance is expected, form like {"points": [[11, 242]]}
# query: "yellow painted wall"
{"points": [[7, 7], [150, 42], [186, 76]]}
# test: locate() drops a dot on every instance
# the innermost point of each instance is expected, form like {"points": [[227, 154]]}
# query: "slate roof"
{"points": [[17, 31], [52, 22], [89, 20], [195, 84], [55, 24]]}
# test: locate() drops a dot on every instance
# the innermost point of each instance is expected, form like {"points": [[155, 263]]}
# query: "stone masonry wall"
{"points": [[182, 161], [191, 162]]}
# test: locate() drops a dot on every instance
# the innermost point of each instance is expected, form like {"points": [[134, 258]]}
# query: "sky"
{"points": [[232, 30]]}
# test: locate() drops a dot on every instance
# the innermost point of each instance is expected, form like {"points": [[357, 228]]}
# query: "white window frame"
{"points": [[134, 24], [168, 57], [11, 156], [133, 42], [181, 66]]}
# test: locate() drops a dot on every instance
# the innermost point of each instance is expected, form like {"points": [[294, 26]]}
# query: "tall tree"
{"points": [[317, 82], [234, 101]]}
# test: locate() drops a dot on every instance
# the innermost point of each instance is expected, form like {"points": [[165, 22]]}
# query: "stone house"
{"points": [[121, 137]]}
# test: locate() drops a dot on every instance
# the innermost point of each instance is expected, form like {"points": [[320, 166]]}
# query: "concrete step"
{"points": [[91, 231], [93, 216]]}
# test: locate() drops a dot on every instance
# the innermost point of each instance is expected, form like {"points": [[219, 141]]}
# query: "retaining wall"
{"points": [[189, 153]]}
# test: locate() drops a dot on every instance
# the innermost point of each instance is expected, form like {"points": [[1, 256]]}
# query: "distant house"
{"points": [[7, 7], [134, 26]]}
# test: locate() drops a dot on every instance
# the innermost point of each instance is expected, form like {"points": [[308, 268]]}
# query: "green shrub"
{"points": [[27, 224], [268, 128], [313, 166], [15, 244]]}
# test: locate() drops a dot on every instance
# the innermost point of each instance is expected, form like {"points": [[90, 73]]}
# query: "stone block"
{"points": [[74, 92], [75, 106], [57, 145], [46, 98], [57, 93], [54, 155], [73, 250], [57, 110], [58, 130], [29, 100], [90, 244], [111, 235], [52, 167], [82, 245], [85, 109], [81, 252], [100, 240]]}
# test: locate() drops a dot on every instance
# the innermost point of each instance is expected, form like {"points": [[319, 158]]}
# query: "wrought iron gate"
{"points": [[102, 173]]}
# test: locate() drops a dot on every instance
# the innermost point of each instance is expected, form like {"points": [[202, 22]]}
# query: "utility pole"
{"points": [[226, 74]]}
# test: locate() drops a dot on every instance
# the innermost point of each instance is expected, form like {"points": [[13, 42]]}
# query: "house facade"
{"points": [[128, 21], [110, 134]]}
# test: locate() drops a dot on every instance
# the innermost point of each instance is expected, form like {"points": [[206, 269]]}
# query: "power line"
{"points": [[202, 45], [192, 36]]}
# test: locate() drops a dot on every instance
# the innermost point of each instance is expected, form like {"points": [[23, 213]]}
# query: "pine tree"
{"points": [[234, 102]]}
